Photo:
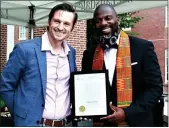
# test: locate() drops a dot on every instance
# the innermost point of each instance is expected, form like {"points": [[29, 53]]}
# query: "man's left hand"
{"points": [[118, 115]]}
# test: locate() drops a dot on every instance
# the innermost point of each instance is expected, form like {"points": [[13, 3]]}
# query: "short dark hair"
{"points": [[65, 7]]}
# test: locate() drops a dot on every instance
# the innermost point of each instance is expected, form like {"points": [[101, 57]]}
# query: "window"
{"points": [[166, 65], [22, 33], [166, 16]]}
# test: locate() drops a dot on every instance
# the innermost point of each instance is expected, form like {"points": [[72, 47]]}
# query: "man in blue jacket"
{"points": [[35, 81]]}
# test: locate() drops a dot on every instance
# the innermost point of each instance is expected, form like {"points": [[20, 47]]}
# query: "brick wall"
{"points": [[152, 27], [3, 46], [38, 31], [77, 39]]}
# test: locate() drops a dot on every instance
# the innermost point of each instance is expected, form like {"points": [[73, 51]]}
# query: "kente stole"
{"points": [[123, 67]]}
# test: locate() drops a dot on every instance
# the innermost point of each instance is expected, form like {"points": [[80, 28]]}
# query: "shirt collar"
{"points": [[46, 46]]}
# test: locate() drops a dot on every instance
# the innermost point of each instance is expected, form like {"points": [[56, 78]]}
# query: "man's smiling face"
{"points": [[106, 21], [61, 25]]}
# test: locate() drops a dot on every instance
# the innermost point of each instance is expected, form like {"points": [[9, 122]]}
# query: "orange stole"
{"points": [[123, 66]]}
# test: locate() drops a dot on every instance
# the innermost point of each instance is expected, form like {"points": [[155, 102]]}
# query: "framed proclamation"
{"points": [[90, 94]]}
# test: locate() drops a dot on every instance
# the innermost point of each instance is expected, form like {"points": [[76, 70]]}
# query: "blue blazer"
{"points": [[23, 82]]}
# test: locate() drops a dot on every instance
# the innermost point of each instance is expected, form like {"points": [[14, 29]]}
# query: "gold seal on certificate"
{"points": [[82, 108]]}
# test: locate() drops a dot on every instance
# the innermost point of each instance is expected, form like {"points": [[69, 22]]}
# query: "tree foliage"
{"points": [[127, 20]]}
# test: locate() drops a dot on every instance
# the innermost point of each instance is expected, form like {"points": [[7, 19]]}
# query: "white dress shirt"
{"points": [[110, 61], [57, 100]]}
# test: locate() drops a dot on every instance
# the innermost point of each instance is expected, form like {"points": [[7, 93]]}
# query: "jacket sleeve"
{"points": [[86, 62], [152, 80], [10, 76], [83, 61]]}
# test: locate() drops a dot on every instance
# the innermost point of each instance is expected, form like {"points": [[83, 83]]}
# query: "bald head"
{"points": [[103, 8]]}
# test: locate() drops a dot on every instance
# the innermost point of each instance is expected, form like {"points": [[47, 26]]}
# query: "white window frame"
{"points": [[166, 16], [126, 29], [166, 66], [22, 33]]}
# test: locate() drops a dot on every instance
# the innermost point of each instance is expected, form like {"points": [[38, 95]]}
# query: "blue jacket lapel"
{"points": [[71, 58], [41, 56]]}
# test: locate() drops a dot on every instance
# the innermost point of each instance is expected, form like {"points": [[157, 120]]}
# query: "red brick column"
{"points": [[77, 39], [3, 46]]}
